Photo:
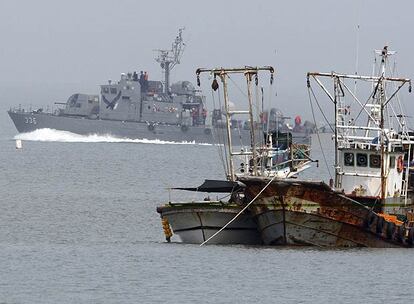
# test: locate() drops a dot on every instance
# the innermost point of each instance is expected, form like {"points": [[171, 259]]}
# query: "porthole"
{"points": [[375, 161], [349, 159], [362, 160]]}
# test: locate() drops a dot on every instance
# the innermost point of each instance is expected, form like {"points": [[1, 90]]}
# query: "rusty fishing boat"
{"points": [[370, 202]]}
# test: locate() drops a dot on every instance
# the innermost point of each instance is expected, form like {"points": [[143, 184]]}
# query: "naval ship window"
{"points": [[392, 162], [113, 90], [375, 161], [349, 159], [362, 160], [105, 90]]}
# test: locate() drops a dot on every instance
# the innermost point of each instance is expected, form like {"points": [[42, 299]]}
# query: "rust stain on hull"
{"points": [[309, 213]]}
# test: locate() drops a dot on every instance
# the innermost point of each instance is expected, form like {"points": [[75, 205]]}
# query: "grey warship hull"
{"points": [[28, 122], [31, 121]]}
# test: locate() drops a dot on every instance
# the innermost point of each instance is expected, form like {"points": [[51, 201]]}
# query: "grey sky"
{"points": [[67, 46]]}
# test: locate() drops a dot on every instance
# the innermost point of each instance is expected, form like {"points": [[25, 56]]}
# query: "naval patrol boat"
{"points": [[133, 107], [138, 108]]}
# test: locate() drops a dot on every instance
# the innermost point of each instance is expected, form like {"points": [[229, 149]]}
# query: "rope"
{"points": [[362, 108], [237, 87], [258, 110], [240, 136], [268, 112], [220, 144], [238, 214], [320, 109], [317, 131], [222, 133]]}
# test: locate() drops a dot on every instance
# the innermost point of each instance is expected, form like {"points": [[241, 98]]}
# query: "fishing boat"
{"points": [[274, 155], [370, 202], [196, 221]]}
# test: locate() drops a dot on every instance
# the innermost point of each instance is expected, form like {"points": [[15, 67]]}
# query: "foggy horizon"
{"points": [[53, 49]]}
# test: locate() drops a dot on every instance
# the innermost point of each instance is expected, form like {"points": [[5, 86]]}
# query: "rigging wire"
{"points": [[240, 212], [368, 99], [244, 94], [238, 127], [317, 131], [268, 111], [258, 107], [237, 87], [223, 136], [219, 139], [357, 51], [403, 123], [320, 108]]}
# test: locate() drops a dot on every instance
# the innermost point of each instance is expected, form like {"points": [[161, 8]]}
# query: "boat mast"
{"points": [[335, 101], [252, 136], [375, 112], [168, 59], [382, 100], [249, 73], [223, 77]]}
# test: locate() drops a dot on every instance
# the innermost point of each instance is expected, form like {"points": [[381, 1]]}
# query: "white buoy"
{"points": [[19, 144]]}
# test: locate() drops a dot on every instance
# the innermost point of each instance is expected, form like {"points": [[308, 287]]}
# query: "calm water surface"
{"points": [[78, 225]]}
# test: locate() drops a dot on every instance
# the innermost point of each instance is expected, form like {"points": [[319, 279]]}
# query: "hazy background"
{"points": [[50, 49]]}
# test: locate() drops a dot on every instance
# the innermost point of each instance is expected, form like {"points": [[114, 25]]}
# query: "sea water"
{"points": [[78, 225]]}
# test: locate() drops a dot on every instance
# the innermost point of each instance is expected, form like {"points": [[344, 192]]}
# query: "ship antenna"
{"points": [[356, 57], [168, 59]]}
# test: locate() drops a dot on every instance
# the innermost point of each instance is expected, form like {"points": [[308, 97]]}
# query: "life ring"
{"points": [[400, 164], [184, 128], [207, 131]]}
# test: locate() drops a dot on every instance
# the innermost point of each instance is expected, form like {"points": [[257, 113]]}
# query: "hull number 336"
{"points": [[30, 120]]}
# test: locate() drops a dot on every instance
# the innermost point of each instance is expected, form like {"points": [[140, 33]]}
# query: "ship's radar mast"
{"points": [[168, 59]]}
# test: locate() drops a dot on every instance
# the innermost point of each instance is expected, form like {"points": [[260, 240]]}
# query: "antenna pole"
{"points": [[356, 58], [336, 131], [168, 59], [166, 76]]}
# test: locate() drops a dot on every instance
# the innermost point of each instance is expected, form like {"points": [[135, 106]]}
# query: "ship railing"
{"points": [[299, 155], [345, 127], [29, 109], [359, 145], [359, 174]]}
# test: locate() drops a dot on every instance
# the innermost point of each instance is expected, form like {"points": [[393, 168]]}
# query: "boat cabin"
{"points": [[359, 174], [131, 100], [121, 100]]}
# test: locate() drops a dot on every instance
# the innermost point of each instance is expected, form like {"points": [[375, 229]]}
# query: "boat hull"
{"points": [[308, 213], [31, 121], [280, 227], [195, 223]]}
